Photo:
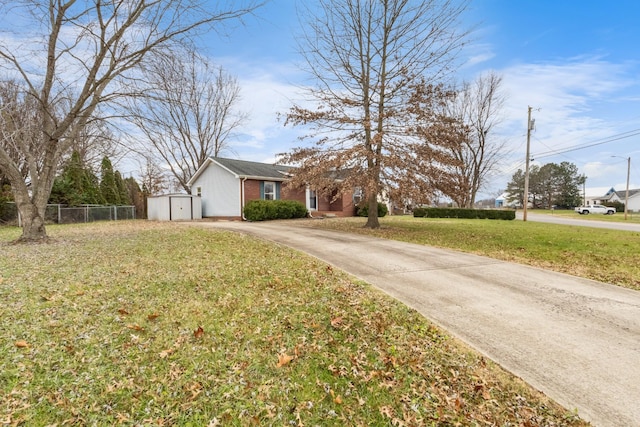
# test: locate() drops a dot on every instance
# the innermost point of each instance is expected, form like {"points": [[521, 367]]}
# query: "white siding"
{"points": [[220, 191], [181, 209], [634, 203], [197, 207], [158, 208], [177, 207]]}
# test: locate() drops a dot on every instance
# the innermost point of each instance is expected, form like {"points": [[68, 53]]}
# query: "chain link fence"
{"points": [[61, 214]]}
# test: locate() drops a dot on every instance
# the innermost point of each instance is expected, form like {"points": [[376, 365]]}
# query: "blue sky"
{"points": [[576, 63]]}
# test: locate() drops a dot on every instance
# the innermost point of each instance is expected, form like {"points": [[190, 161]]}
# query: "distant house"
{"points": [[505, 200], [226, 185], [634, 199], [597, 195]]}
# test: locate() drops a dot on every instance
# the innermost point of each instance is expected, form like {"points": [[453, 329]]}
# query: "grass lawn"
{"points": [[140, 323], [606, 255]]}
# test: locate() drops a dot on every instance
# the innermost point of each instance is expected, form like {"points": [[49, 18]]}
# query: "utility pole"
{"points": [[526, 169], [626, 195]]}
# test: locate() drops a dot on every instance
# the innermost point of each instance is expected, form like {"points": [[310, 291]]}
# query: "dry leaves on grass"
{"points": [[336, 322], [284, 359]]}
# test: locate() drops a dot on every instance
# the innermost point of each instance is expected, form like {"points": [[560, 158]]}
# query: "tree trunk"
{"points": [[372, 218], [32, 219]]}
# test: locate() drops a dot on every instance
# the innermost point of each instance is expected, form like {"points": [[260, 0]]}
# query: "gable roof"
{"points": [[622, 194], [245, 169], [599, 192]]}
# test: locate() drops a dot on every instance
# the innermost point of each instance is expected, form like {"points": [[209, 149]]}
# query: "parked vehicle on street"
{"points": [[595, 209]]}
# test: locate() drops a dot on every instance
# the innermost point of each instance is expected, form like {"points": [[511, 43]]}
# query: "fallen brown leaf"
{"points": [[283, 359], [164, 353], [198, 333], [153, 316], [22, 344], [336, 321], [135, 327], [387, 411]]}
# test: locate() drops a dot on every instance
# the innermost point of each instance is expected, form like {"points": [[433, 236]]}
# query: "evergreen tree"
{"points": [[549, 185], [76, 185], [136, 196], [92, 194], [108, 186], [123, 193]]}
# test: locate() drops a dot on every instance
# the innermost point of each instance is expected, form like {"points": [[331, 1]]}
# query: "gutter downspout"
{"points": [[242, 200]]}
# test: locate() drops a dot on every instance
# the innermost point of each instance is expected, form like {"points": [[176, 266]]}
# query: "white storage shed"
{"points": [[174, 207]]}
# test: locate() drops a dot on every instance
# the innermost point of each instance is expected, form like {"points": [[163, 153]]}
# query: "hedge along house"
{"points": [[226, 185]]}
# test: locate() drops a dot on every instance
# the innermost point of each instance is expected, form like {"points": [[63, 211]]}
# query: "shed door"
{"points": [[180, 208]]}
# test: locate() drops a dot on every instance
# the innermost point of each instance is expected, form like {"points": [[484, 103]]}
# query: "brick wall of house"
{"points": [[251, 190], [290, 193], [343, 206], [348, 208]]}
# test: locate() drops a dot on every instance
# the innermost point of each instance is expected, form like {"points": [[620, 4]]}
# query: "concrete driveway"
{"points": [[576, 340]]}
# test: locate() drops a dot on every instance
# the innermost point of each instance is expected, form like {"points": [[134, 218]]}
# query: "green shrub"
{"points": [[264, 210], [419, 212], [364, 210], [618, 205], [464, 213]]}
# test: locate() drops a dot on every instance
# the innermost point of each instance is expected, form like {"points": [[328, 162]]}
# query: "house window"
{"points": [[357, 195], [313, 200], [269, 190]]}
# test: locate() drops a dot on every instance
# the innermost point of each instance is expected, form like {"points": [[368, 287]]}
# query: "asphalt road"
{"points": [[575, 339], [578, 220]]}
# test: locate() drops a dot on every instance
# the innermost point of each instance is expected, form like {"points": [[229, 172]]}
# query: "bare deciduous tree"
{"points": [[97, 140], [80, 56], [18, 126], [477, 106], [154, 179], [186, 112], [370, 58]]}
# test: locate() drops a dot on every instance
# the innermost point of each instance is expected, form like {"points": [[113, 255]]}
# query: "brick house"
{"points": [[226, 185]]}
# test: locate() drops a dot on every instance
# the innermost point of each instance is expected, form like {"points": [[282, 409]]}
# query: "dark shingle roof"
{"points": [[622, 194], [244, 168]]}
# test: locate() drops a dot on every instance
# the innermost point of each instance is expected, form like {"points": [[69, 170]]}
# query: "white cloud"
{"points": [[268, 90], [477, 53], [582, 100]]}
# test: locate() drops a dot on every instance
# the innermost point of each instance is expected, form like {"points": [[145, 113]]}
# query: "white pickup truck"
{"points": [[595, 209]]}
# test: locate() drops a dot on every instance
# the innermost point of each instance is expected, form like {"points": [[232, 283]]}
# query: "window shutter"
{"points": [[261, 190], [278, 190]]}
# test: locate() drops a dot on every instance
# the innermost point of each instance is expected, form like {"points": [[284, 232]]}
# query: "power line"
{"points": [[602, 141]]}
